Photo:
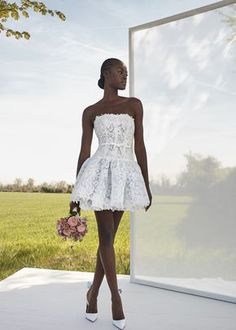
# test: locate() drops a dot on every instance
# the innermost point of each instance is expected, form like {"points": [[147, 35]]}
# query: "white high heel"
{"points": [[120, 324], [90, 316]]}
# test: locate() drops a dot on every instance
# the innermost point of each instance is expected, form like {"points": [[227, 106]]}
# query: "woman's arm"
{"points": [[86, 140], [139, 146]]}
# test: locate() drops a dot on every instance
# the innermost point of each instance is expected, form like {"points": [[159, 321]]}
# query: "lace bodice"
{"points": [[115, 134]]}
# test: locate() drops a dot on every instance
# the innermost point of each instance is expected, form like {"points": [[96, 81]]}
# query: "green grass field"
{"points": [[28, 235], [168, 239]]}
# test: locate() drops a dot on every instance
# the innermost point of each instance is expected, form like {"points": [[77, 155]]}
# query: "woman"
{"points": [[111, 181]]}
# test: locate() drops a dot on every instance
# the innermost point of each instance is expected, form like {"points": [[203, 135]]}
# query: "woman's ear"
{"points": [[106, 73]]}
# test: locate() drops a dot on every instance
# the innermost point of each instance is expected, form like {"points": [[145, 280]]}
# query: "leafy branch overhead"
{"points": [[15, 11], [230, 20]]}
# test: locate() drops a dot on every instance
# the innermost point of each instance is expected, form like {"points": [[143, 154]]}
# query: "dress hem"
{"points": [[90, 208]]}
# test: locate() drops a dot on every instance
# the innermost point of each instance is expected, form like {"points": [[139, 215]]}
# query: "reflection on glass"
{"points": [[185, 75]]}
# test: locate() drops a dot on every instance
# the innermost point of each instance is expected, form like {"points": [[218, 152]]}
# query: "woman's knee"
{"points": [[105, 223], [106, 238]]}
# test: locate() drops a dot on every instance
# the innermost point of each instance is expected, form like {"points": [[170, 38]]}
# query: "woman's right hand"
{"points": [[74, 205], [150, 198]]}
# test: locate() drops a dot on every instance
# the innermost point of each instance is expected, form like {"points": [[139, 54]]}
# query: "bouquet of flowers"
{"points": [[72, 226]]}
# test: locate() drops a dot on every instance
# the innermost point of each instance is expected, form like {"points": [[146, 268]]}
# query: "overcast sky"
{"points": [[47, 81]]}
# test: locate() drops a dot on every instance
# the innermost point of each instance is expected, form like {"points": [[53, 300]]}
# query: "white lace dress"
{"points": [[111, 178]]}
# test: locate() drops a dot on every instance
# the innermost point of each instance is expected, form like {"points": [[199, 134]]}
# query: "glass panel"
{"points": [[185, 75]]}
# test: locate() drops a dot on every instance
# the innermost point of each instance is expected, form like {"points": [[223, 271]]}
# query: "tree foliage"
{"points": [[14, 11], [201, 173], [230, 20]]}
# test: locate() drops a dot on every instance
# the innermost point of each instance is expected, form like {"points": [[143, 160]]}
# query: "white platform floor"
{"points": [[45, 299]]}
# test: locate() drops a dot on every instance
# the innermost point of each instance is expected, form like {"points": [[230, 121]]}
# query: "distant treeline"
{"points": [[29, 186], [199, 175]]}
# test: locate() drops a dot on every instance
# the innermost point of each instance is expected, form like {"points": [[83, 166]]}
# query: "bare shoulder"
{"points": [[92, 109], [87, 115], [134, 105], [135, 101], [131, 99], [137, 107]]}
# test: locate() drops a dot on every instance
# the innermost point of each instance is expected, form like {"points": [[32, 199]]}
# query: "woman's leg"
{"points": [[99, 271], [106, 233]]}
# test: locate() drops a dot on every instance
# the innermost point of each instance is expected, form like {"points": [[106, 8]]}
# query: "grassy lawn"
{"points": [[28, 235], [168, 239]]}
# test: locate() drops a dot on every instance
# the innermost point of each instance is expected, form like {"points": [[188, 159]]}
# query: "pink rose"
{"points": [[72, 221], [66, 232], [81, 228]]}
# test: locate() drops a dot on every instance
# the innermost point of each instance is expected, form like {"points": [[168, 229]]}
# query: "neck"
{"points": [[110, 94]]}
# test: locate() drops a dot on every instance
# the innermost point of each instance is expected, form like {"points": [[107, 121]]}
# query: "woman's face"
{"points": [[117, 76]]}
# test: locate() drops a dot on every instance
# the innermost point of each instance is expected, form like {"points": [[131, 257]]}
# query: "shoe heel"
{"points": [[120, 324], [90, 316]]}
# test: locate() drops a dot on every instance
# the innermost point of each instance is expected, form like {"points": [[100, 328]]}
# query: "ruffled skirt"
{"points": [[110, 184]]}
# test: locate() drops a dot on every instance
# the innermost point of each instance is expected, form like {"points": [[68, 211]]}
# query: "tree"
{"points": [[61, 186], [30, 184], [230, 19], [17, 184], [200, 173], [12, 10]]}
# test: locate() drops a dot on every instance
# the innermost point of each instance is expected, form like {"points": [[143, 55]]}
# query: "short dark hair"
{"points": [[106, 65]]}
